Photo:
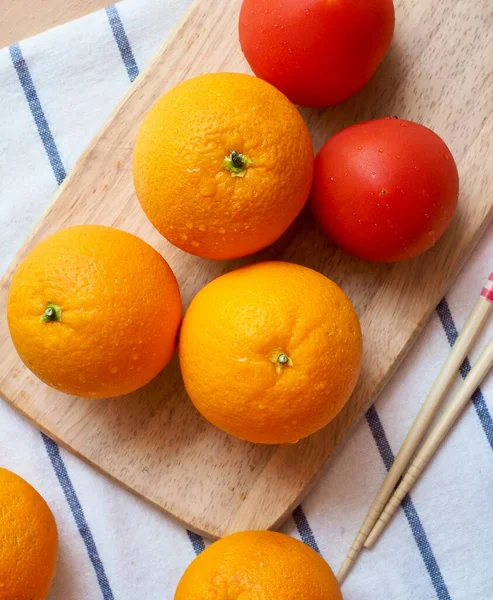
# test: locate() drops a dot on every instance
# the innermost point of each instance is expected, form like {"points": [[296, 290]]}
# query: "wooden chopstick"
{"points": [[427, 413], [450, 415]]}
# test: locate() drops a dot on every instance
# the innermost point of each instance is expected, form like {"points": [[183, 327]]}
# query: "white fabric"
{"points": [[79, 76]]}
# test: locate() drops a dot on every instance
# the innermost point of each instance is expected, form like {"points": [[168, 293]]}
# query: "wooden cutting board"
{"points": [[439, 72]]}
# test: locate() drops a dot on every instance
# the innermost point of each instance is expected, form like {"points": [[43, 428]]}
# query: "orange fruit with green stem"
{"points": [[94, 311], [271, 352], [28, 541], [258, 565], [222, 165]]}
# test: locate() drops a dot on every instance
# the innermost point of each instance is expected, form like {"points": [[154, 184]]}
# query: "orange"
{"points": [[271, 352], [28, 541], [222, 165], [94, 311], [258, 565]]}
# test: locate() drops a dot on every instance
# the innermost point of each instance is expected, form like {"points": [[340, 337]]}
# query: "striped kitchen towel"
{"points": [[56, 91]]}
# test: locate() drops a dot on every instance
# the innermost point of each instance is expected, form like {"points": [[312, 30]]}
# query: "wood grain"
{"points": [[439, 72], [23, 18]]}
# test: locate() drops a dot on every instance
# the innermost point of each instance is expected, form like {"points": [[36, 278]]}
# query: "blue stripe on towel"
{"points": [[304, 529], [197, 542], [414, 521], [68, 489], [37, 112], [51, 447], [122, 41], [447, 320]]}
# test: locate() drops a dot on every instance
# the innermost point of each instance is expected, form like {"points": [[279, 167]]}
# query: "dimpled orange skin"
{"points": [[28, 541], [179, 174], [258, 565], [234, 333], [121, 310]]}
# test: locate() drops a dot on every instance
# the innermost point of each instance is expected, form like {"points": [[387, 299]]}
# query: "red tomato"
{"points": [[317, 52], [385, 190]]}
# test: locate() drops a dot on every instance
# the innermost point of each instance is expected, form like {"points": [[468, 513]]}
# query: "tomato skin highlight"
{"points": [[317, 52], [385, 190]]}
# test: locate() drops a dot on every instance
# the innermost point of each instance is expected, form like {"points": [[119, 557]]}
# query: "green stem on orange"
{"points": [[280, 360], [283, 359], [236, 164], [53, 312]]}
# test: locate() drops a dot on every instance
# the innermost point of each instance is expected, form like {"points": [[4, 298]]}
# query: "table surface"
{"points": [[23, 18]]}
